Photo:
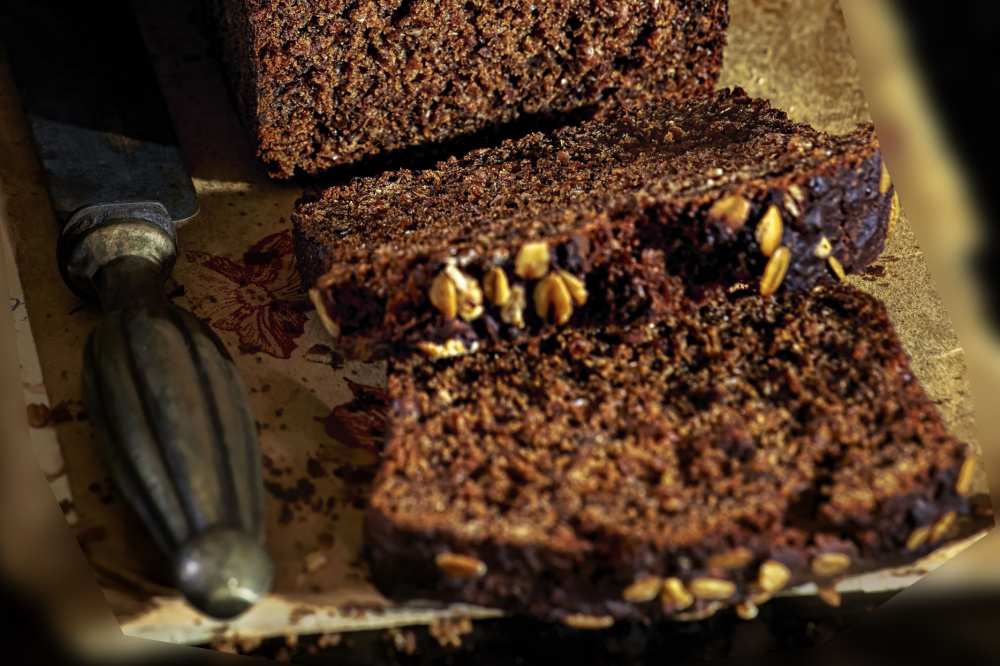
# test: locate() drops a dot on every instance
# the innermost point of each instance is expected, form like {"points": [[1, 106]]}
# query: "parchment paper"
{"points": [[315, 411]]}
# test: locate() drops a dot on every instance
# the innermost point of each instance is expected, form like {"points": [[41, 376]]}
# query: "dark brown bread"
{"points": [[324, 82], [750, 445], [635, 215]]}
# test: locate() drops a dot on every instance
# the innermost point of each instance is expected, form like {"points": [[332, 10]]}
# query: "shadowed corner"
{"points": [[28, 635], [955, 626]]}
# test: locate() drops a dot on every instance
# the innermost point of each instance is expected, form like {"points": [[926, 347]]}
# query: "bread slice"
{"points": [[737, 449], [613, 222], [322, 83]]}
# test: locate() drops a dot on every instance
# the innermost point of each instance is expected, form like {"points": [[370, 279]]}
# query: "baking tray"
{"points": [[318, 414]]}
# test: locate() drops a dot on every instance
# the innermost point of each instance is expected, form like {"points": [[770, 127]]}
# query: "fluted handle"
{"points": [[173, 419]]}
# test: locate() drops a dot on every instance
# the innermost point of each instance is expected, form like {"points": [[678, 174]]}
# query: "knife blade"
{"points": [[96, 113], [171, 413]]}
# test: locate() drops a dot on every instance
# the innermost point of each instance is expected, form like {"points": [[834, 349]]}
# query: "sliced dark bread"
{"points": [[732, 451], [613, 222]]}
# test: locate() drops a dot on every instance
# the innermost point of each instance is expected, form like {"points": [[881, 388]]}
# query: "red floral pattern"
{"points": [[360, 423], [260, 299]]}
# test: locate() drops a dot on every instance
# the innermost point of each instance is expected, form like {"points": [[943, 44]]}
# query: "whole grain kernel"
{"points": [[712, 588], [435, 351], [836, 267], [830, 564], [761, 598], [331, 326], [731, 209], [644, 589], [732, 559], [918, 537], [823, 248], [443, 296], [963, 483], [829, 596], [774, 271], [532, 261], [791, 206], [747, 610], [699, 614], [577, 289], [893, 214], [941, 527], [460, 566], [582, 621], [769, 231], [552, 295], [469, 296], [675, 596], [797, 194], [431, 350], [512, 312], [884, 180], [773, 576], [496, 287]]}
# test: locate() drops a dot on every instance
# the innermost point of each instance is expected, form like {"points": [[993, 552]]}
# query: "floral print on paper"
{"points": [[259, 299]]}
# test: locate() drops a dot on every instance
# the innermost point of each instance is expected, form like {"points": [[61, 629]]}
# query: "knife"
{"points": [[172, 416]]}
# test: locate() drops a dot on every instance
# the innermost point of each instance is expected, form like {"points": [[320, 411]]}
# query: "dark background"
{"points": [[956, 43]]}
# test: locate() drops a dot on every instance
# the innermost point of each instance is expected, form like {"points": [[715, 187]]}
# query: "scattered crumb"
{"points": [[224, 645], [328, 640], [236, 644], [39, 415], [292, 641], [315, 561], [449, 631], [319, 354], [248, 643]]}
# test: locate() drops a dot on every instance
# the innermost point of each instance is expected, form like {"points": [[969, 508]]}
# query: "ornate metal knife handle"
{"points": [[172, 416]]}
